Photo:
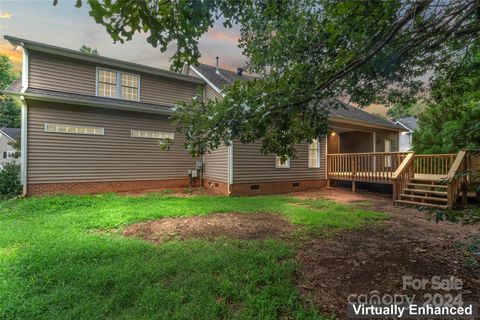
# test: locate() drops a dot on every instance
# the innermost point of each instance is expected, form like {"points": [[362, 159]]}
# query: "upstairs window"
{"points": [[117, 84], [314, 154], [107, 83], [130, 87]]}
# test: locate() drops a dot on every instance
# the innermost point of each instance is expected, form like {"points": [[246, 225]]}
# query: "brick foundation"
{"points": [[103, 186], [216, 186], [237, 189], [257, 188]]}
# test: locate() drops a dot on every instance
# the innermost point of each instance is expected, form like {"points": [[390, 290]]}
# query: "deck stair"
{"points": [[431, 180], [424, 193]]}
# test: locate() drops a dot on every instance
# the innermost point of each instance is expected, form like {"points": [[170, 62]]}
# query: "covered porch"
{"points": [[362, 153], [370, 154]]}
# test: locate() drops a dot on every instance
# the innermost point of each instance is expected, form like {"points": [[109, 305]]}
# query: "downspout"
{"points": [[23, 146], [24, 122], [230, 167]]}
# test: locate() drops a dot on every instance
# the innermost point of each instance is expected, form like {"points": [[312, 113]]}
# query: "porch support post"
{"points": [[354, 171], [373, 150], [464, 186]]}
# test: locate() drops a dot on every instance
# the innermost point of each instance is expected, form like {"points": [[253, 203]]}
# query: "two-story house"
{"points": [[93, 124]]}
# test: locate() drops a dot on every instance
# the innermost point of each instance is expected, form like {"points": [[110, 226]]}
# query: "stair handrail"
{"points": [[402, 175], [455, 181]]}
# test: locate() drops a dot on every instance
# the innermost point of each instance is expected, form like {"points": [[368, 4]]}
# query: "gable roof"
{"points": [[346, 111], [409, 123], [12, 133], [75, 54], [221, 79]]}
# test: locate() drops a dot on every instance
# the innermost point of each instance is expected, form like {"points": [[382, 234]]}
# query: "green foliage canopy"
{"points": [[308, 54], [451, 121], [9, 109], [89, 50]]}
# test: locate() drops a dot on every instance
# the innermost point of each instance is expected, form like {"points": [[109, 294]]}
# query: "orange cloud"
{"points": [[222, 36], [15, 56], [5, 15]]}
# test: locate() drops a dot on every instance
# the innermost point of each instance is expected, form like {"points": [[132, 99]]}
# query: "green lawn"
{"points": [[54, 264]]}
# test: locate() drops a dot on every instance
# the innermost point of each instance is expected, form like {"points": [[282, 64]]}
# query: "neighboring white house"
{"points": [[405, 138], [7, 152]]}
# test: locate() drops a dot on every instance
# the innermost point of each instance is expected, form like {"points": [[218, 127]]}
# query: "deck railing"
{"points": [[369, 166], [451, 166], [457, 179], [405, 172], [434, 163]]}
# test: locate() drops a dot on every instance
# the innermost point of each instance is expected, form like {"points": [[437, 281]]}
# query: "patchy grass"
{"points": [[53, 267]]}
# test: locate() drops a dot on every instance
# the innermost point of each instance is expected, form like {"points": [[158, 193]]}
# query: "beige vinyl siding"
{"points": [[51, 72], [56, 73], [381, 136], [115, 156], [216, 165], [216, 162], [211, 93], [250, 166], [157, 90]]}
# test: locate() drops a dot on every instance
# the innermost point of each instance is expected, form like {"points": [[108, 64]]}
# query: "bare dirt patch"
{"points": [[232, 225], [376, 258]]}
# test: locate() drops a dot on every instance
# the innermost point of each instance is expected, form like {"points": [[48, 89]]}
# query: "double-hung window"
{"points": [[314, 154], [117, 84]]}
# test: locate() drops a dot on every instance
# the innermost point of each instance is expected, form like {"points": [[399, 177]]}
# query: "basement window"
{"points": [[255, 187], [74, 129]]}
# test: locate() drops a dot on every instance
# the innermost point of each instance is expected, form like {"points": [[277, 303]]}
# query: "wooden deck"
{"points": [[381, 176], [434, 180]]}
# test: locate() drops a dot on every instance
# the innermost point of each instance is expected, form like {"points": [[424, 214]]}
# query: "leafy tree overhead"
{"points": [[451, 121], [89, 50], [398, 110], [9, 109], [308, 53]]}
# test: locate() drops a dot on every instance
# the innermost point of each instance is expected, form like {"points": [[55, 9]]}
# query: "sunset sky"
{"points": [[70, 27]]}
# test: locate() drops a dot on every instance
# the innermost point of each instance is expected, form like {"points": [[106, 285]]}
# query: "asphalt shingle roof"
{"points": [[16, 85], [354, 113], [109, 101], [226, 77], [409, 122], [13, 133]]}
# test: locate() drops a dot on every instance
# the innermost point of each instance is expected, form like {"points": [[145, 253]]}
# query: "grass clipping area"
{"points": [[54, 264]]}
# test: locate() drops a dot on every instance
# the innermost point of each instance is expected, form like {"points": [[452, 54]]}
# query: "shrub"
{"points": [[10, 185]]}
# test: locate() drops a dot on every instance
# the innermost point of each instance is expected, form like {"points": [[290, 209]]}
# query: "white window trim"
{"points": [[161, 132], [317, 166], [286, 163], [119, 83], [75, 133]]}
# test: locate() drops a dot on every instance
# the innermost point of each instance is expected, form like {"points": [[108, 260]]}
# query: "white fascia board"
{"points": [[409, 130], [24, 70], [207, 81]]}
